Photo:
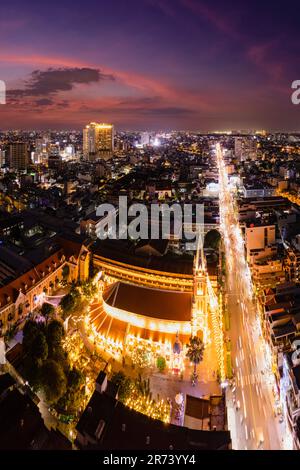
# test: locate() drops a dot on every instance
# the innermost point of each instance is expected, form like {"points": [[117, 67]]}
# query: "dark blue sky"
{"points": [[157, 64]]}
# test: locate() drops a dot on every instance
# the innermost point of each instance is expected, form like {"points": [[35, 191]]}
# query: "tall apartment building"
{"points": [[19, 156], [42, 146], [260, 242], [98, 141]]}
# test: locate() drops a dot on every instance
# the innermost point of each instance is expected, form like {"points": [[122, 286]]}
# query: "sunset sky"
{"points": [[150, 64]]}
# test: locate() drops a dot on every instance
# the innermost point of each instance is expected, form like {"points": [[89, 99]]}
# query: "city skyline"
{"points": [[99, 243], [149, 65], [149, 229]]}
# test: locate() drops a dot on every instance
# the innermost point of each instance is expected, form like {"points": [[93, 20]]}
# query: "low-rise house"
{"points": [[22, 426], [280, 308], [107, 424], [267, 273], [23, 294]]}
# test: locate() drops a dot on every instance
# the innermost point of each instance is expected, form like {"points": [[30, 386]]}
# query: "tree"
{"points": [[212, 239], [67, 303], [124, 384], [32, 368], [36, 351], [141, 356], [55, 334], [117, 378], [30, 331], [125, 389], [195, 351], [39, 349], [161, 363], [143, 387], [89, 289], [47, 310], [70, 301], [75, 293], [53, 381], [58, 354], [72, 399], [75, 379]]}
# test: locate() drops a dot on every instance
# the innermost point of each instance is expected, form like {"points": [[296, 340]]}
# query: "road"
{"points": [[251, 400]]}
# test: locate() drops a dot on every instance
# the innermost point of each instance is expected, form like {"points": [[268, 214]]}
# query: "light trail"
{"points": [[253, 388]]}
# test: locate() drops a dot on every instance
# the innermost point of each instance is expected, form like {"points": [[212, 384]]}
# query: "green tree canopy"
{"points": [[47, 309], [67, 303], [70, 301], [30, 331], [118, 377], [53, 381], [141, 356], [55, 334], [39, 349], [161, 363], [89, 289], [124, 383], [32, 371], [195, 350], [59, 355], [75, 379], [212, 239]]}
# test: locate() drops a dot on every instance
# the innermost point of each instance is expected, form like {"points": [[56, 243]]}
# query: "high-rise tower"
{"points": [[98, 141]]}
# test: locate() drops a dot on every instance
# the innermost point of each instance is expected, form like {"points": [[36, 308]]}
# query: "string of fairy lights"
{"points": [[160, 409], [217, 325], [154, 409]]}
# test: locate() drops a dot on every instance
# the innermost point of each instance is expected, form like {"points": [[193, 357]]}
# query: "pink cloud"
{"points": [[145, 85]]}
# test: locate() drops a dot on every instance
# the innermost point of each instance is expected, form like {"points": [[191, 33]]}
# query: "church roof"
{"points": [[155, 303]]}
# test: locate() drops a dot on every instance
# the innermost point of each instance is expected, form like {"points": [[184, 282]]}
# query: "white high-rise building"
{"points": [[260, 242]]}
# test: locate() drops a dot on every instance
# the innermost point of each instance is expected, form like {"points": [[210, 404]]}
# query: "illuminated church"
{"points": [[147, 301]]}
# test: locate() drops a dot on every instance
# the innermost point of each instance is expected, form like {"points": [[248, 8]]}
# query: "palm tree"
{"points": [[195, 351]]}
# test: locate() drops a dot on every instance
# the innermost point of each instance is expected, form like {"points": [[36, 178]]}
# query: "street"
{"points": [[251, 400]]}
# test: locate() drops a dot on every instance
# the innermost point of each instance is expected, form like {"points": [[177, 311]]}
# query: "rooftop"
{"points": [[162, 304], [123, 252], [125, 429]]}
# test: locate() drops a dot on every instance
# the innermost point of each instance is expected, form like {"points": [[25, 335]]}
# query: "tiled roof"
{"points": [[162, 304]]}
